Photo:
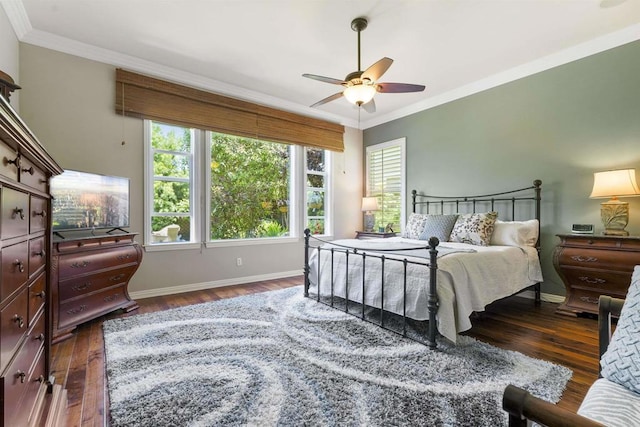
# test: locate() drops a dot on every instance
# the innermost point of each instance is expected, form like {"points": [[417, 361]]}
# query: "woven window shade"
{"points": [[149, 98]]}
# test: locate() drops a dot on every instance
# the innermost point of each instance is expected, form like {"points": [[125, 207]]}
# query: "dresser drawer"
{"points": [[599, 282], [7, 155], [38, 216], [91, 306], [37, 296], [80, 286], [22, 388], [87, 262], [37, 255], [13, 326], [32, 176], [15, 268], [15, 213], [594, 258]]}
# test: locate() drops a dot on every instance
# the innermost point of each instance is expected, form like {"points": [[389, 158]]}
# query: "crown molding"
{"points": [[18, 18], [597, 45]]}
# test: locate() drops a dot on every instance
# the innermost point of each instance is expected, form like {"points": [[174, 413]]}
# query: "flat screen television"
{"points": [[88, 201]]}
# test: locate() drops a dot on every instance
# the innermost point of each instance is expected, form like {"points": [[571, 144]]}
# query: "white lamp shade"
{"points": [[369, 204], [617, 183], [359, 94]]}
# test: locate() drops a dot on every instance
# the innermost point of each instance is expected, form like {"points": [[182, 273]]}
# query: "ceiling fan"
{"points": [[361, 86]]}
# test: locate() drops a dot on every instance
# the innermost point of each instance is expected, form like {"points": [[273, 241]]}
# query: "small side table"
{"points": [[373, 234], [594, 265]]}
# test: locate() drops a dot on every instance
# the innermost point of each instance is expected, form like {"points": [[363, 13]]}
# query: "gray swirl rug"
{"points": [[277, 358]]}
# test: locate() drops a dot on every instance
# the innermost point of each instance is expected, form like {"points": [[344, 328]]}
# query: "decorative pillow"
{"points": [[415, 225], [515, 233], [439, 226], [475, 228], [621, 362]]}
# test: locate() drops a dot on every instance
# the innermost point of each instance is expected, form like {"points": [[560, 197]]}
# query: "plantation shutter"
{"points": [[385, 181], [149, 98]]}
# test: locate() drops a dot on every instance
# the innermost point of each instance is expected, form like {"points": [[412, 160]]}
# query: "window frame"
{"points": [[328, 190], [200, 198], [402, 143]]}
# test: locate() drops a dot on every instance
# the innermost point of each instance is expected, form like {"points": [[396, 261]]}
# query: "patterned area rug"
{"points": [[278, 358]]}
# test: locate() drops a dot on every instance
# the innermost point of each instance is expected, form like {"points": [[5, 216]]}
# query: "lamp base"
{"points": [[615, 217], [369, 221]]}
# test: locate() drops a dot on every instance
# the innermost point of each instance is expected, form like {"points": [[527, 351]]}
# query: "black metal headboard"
{"points": [[469, 204]]}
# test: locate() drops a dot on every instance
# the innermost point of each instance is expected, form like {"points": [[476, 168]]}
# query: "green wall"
{"points": [[560, 126]]}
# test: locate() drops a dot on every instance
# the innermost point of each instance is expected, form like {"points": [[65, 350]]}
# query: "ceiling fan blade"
{"points": [[328, 99], [399, 87], [376, 71], [324, 79], [370, 107]]}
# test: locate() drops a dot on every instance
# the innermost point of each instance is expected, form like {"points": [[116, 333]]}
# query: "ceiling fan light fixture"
{"points": [[359, 94]]}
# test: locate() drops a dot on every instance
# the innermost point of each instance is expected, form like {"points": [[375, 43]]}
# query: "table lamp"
{"points": [[615, 213], [369, 204]]}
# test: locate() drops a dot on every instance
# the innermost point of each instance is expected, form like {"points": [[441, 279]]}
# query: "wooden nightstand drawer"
{"points": [[598, 258]]}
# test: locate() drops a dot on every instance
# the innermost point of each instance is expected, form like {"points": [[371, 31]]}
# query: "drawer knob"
{"points": [[40, 379], [20, 265], [82, 264], [593, 280], [18, 212], [41, 294], [42, 213], [21, 375], [81, 287], [39, 337], [15, 161], [41, 254], [29, 171], [584, 259], [19, 320], [117, 277]]}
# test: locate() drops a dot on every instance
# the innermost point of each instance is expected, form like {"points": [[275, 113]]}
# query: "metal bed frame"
{"points": [[441, 204]]}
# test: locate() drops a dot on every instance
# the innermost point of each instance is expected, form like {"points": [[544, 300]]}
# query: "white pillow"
{"points": [[515, 233]]}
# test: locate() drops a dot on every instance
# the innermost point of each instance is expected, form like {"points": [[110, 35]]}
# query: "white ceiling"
{"points": [[258, 49]]}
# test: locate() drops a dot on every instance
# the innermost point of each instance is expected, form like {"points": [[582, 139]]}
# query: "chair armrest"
{"points": [[522, 406], [608, 307]]}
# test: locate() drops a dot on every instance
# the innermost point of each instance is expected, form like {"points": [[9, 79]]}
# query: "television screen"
{"points": [[84, 200]]}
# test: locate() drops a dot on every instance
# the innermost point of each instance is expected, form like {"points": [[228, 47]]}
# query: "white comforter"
{"points": [[467, 281]]}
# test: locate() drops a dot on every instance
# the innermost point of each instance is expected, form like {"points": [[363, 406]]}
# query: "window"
{"points": [[250, 184], [386, 181], [172, 208], [316, 189]]}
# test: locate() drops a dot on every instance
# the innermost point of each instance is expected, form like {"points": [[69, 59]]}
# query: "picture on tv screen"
{"points": [[84, 200]]}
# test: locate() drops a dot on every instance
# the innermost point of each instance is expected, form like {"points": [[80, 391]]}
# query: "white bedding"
{"points": [[467, 281]]}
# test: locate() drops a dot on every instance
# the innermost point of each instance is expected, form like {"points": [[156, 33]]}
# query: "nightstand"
{"points": [[594, 265], [373, 234]]}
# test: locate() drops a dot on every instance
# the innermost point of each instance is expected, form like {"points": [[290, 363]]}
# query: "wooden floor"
{"points": [[514, 323]]}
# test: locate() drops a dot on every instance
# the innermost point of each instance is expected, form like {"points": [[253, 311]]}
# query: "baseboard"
{"points": [[557, 299], [171, 290]]}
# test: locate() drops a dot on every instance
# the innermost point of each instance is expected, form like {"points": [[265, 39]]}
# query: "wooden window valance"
{"points": [[150, 98]]}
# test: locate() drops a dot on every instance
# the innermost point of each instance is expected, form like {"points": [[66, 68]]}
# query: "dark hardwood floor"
{"points": [[513, 323]]}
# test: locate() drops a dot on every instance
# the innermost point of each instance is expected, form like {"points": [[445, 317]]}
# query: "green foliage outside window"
{"points": [[171, 172], [249, 188]]}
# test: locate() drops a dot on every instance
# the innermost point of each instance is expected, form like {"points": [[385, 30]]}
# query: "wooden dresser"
{"points": [[90, 275], [28, 393], [594, 265]]}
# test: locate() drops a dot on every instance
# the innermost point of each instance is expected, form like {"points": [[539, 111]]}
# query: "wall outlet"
{"points": [[238, 262]]}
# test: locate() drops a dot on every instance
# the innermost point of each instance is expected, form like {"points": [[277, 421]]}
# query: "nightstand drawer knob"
{"points": [[593, 280], [584, 259]]}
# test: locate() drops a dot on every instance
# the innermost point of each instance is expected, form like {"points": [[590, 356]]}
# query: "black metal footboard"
{"points": [[379, 254]]}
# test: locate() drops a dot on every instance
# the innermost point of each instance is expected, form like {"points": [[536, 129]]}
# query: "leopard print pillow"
{"points": [[475, 229]]}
